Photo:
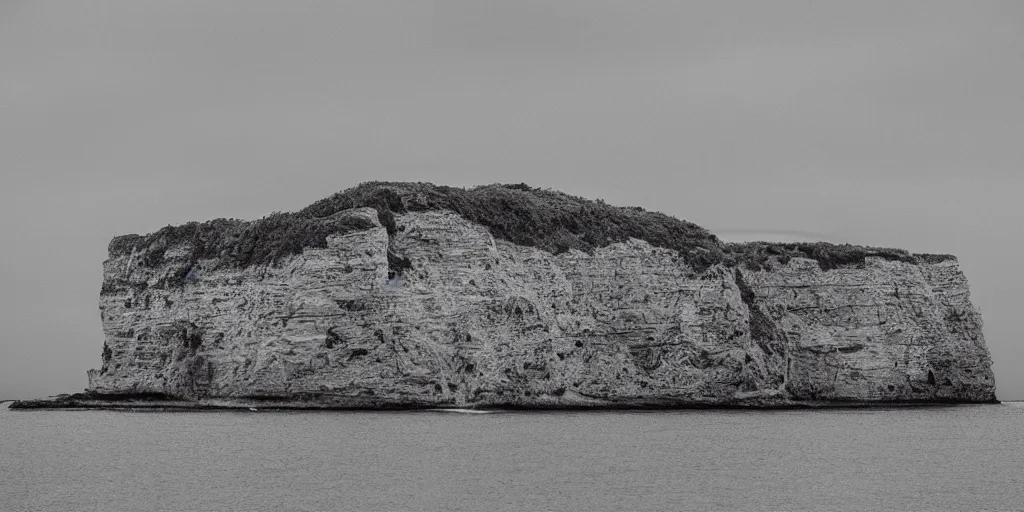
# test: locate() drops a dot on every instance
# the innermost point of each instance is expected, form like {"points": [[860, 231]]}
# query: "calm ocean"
{"points": [[945, 458]]}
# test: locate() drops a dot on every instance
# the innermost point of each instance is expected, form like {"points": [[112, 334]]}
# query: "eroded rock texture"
{"points": [[467, 320]]}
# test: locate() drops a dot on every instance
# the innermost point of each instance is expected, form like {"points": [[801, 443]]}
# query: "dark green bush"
{"points": [[935, 258], [761, 255], [550, 220], [237, 243]]}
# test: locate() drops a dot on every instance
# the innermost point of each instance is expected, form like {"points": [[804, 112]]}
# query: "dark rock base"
{"points": [[335, 403]]}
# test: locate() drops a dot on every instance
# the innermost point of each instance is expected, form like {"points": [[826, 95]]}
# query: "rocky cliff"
{"points": [[390, 297]]}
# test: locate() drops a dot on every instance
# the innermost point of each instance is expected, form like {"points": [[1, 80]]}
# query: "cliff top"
{"points": [[553, 221]]}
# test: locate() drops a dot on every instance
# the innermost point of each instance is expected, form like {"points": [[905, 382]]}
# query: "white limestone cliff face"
{"points": [[480, 322]]}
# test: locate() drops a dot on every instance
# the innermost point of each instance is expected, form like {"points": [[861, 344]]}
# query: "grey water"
{"points": [[942, 458]]}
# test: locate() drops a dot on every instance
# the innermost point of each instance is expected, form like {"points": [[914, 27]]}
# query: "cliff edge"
{"points": [[407, 295]]}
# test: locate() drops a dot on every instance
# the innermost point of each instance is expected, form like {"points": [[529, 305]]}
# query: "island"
{"points": [[418, 296]]}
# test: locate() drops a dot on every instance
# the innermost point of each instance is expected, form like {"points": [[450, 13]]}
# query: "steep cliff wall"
{"points": [[435, 311]]}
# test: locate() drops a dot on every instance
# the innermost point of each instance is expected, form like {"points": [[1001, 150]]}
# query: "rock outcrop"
{"points": [[410, 307]]}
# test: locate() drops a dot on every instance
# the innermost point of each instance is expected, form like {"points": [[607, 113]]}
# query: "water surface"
{"points": [[943, 458]]}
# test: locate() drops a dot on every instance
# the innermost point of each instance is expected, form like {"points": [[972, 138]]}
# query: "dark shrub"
{"points": [[762, 255], [518, 213], [546, 219], [935, 258], [237, 243]]}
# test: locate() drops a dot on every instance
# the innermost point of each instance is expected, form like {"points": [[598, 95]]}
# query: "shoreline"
{"points": [[86, 402]]}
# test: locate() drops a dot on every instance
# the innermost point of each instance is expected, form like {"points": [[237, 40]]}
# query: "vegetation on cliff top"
{"points": [[550, 220], [546, 219], [238, 243], [762, 255]]}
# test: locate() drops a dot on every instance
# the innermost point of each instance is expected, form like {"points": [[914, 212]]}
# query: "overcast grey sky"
{"points": [[876, 122]]}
